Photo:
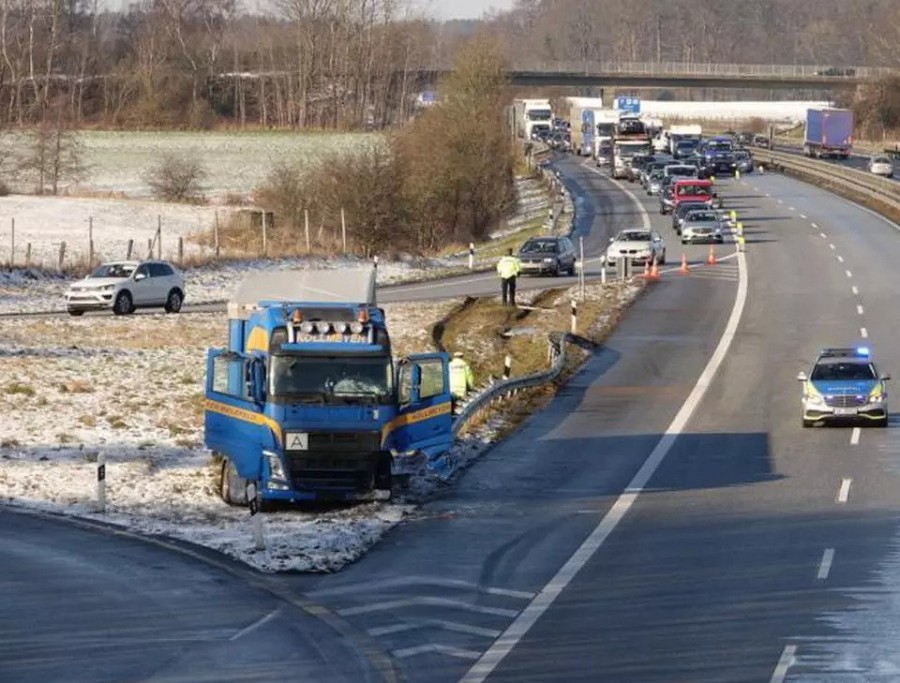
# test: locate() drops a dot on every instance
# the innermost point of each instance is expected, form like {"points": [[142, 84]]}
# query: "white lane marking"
{"points": [[791, 208], [863, 332], [406, 581], [844, 491], [831, 246], [817, 227], [426, 601], [785, 663], [854, 436], [433, 647], [255, 625], [825, 564], [840, 258], [803, 216], [768, 194], [439, 623], [523, 623], [849, 274], [860, 310], [855, 290], [780, 201]]}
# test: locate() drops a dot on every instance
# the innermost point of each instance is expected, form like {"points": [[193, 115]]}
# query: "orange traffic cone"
{"points": [[654, 270], [647, 269], [684, 266], [711, 260]]}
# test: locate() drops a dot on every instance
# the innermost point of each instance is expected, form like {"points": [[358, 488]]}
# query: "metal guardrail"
{"points": [[885, 190], [508, 387]]}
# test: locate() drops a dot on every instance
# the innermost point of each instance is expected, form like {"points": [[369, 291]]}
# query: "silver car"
{"points": [[702, 227], [881, 165], [124, 286], [638, 246]]}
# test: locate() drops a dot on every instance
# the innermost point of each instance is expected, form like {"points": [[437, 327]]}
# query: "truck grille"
{"points": [[845, 401], [337, 462]]}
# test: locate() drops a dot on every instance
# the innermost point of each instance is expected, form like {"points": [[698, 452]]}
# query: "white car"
{"points": [[124, 286], [638, 245], [881, 165]]}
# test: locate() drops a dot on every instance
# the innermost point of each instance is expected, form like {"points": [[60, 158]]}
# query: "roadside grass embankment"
{"points": [[487, 332]]}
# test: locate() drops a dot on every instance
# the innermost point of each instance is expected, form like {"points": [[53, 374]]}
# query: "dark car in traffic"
{"points": [[549, 255]]}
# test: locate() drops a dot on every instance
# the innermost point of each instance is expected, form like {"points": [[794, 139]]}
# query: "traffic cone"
{"points": [[654, 271], [647, 269], [711, 259], [684, 270]]}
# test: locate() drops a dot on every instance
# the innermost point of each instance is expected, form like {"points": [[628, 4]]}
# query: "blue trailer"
{"points": [[307, 402], [829, 133]]}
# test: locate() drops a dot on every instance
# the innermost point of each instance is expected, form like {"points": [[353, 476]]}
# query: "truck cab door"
{"points": [[425, 418]]}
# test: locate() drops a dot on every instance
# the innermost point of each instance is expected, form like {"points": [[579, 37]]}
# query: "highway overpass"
{"points": [[684, 75]]}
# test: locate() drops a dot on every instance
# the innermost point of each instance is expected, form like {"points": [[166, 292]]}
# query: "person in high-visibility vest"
{"points": [[462, 379], [508, 269]]}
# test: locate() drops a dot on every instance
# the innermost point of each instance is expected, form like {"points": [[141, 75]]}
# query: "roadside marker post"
{"points": [[507, 367], [259, 539], [375, 261], [101, 482], [574, 316], [471, 255], [581, 274]]}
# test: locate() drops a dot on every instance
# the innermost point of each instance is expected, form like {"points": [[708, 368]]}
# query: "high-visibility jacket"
{"points": [[462, 380], [509, 266]]}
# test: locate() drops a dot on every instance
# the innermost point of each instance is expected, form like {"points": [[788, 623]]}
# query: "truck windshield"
{"points": [[331, 378], [539, 114]]}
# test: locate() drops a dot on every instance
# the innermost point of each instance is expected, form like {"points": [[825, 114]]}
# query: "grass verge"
{"points": [[486, 332]]}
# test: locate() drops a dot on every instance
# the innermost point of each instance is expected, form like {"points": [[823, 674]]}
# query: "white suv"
{"points": [[124, 286]]}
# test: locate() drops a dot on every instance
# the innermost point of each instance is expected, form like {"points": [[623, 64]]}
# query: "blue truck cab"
{"points": [[307, 401]]}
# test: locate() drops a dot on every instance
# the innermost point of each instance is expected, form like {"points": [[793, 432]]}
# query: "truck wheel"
{"points": [[232, 486]]}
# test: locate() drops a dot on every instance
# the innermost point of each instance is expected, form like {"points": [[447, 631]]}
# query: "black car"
{"points": [[720, 164], [548, 256]]}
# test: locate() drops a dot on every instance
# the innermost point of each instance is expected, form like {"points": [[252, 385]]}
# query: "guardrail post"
{"points": [[375, 261], [581, 261], [101, 482], [259, 539], [471, 255], [507, 366], [574, 316]]}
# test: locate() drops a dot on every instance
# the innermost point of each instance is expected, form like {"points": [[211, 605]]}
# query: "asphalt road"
{"points": [[78, 605], [757, 551], [441, 588]]}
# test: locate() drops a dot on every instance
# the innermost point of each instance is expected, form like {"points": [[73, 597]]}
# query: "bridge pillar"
{"points": [[608, 95]]}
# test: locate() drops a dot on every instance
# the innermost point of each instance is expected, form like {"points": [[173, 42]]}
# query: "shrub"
{"points": [[177, 179]]}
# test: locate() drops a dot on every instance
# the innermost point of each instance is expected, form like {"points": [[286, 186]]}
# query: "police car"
{"points": [[844, 386]]}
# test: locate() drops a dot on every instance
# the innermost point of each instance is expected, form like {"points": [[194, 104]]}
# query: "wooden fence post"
{"points": [[130, 250], [62, 256], [216, 229]]}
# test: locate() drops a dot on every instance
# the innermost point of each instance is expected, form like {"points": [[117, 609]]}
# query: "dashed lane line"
{"points": [[854, 436], [844, 492], [860, 310], [825, 564], [784, 663], [863, 332], [840, 258], [849, 274], [855, 290]]}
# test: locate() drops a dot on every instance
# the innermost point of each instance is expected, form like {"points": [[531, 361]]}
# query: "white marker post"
{"points": [[507, 367], [581, 275], [375, 261], [101, 483], [471, 255], [259, 540]]}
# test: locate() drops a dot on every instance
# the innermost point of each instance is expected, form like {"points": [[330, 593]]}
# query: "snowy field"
{"points": [[235, 162], [132, 390]]}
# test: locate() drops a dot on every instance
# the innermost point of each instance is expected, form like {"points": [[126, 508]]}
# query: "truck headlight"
{"points": [[276, 467]]}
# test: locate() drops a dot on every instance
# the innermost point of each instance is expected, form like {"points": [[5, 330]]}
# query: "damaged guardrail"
{"points": [[508, 387]]}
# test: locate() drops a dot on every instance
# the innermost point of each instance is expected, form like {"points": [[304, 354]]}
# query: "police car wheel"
{"points": [[808, 423]]}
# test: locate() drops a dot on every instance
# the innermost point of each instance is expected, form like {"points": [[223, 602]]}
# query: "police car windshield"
{"points": [[843, 372], [331, 377]]}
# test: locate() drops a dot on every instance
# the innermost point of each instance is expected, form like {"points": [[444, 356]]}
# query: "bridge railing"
{"points": [[698, 69]]}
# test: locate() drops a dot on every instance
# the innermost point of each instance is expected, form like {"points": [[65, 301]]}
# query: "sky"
{"points": [[462, 9]]}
